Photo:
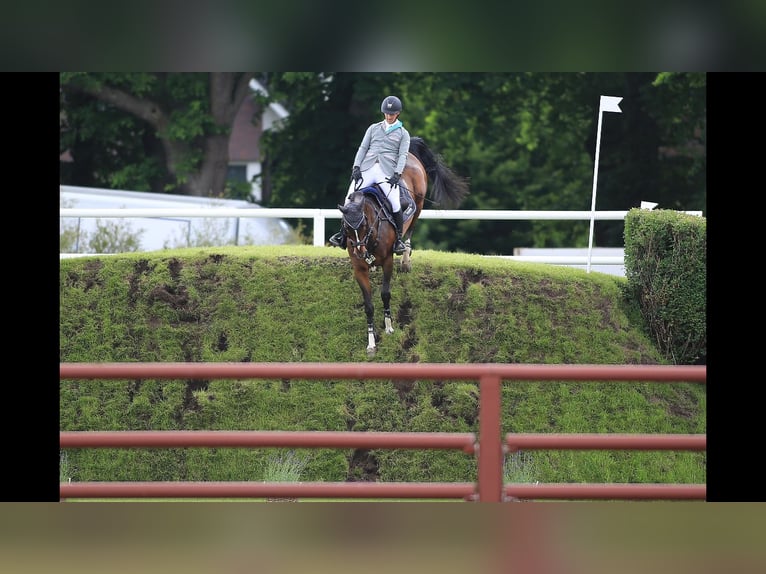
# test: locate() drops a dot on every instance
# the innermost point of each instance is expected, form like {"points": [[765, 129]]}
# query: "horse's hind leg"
{"points": [[406, 263]]}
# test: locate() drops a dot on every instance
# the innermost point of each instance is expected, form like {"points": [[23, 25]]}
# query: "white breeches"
{"points": [[376, 175]]}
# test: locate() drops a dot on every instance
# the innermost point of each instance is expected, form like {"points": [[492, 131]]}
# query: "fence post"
{"points": [[319, 232], [490, 473]]}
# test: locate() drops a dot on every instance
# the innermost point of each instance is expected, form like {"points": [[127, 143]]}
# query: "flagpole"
{"points": [[606, 104]]}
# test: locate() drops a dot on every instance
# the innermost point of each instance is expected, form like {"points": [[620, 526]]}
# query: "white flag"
{"points": [[610, 104], [606, 104]]}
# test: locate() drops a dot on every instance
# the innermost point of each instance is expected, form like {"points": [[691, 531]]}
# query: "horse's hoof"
{"points": [[370, 352]]}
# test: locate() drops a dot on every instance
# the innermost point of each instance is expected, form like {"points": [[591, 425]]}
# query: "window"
{"points": [[237, 173]]}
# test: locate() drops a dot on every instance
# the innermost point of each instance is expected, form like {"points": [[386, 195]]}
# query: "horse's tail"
{"points": [[448, 187]]}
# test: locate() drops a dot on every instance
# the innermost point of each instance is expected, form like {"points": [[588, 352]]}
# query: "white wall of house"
{"points": [[273, 118]]}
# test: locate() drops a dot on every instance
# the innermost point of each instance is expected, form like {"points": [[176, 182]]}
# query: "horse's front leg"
{"points": [[363, 279], [385, 293]]}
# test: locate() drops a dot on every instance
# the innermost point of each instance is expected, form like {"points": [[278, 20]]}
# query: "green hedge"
{"points": [[666, 269]]}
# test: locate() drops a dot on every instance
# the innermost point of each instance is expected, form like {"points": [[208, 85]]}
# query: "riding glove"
{"points": [[356, 174], [394, 179]]}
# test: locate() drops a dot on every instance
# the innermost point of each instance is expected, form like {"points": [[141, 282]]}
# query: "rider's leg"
{"points": [[399, 245], [396, 208], [339, 239]]}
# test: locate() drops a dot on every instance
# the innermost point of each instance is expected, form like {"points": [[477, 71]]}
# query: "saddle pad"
{"points": [[406, 201]]}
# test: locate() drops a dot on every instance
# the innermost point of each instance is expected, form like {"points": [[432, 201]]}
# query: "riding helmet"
{"points": [[391, 105]]}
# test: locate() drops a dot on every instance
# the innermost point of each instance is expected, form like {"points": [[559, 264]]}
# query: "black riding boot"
{"points": [[399, 245], [339, 239]]}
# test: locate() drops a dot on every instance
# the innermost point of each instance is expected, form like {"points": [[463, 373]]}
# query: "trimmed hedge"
{"points": [[666, 269]]}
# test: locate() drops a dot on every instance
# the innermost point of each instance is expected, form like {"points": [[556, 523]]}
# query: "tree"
{"points": [[526, 141], [520, 139], [164, 132]]}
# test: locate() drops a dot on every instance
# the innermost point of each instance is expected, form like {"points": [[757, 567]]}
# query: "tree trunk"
{"points": [[210, 181]]}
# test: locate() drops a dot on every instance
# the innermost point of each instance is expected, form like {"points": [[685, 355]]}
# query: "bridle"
{"points": [[360, 246]]}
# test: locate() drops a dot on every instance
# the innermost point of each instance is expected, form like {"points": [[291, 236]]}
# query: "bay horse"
{"points": [[370, 230]]}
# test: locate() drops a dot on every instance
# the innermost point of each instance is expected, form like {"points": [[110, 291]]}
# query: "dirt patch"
{"points": [[363, 467]]}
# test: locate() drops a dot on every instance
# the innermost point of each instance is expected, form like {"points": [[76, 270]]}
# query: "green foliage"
{"points": [[65, 470], [112, 149], [110, 236], [113, 237], [462, 402], [238, 190], [68, 238], [158, 132], [520, 467], [284, 467], [301, 304], [526, 141], [210, 232], [666, 269], [137, 176]]}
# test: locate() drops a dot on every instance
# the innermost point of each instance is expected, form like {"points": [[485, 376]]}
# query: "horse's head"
{"points": [[357, 224], [353, 213]]}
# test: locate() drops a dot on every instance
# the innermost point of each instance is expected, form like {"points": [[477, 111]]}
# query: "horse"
{"points": [[370, 230]]}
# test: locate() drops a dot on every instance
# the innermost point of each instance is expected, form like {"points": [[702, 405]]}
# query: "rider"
{"points": [[380, 159]]}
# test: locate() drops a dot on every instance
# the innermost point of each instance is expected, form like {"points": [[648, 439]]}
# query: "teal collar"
{"points": [[393, 126]]}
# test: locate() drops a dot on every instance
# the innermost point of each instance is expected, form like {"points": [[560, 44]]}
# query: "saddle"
{"points": [[405, 199]]}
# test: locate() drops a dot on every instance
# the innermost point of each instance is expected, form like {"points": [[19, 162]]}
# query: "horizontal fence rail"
{"points": [[320, 216], [531, 441], [410, 371], [268, 490], [606, 491], [489, 448], [297, 439]]}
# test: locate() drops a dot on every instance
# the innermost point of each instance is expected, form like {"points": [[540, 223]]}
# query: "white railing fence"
{"points": [[319, 217]]}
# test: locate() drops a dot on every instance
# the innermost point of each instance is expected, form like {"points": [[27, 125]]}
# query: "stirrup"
{"points": [[337, 240], [399, 247]]}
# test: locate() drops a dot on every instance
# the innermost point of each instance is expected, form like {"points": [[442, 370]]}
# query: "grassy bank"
{"points": [[301, 304]]}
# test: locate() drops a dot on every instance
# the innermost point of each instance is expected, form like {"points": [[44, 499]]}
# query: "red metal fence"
{"points": [[489, 447]]}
